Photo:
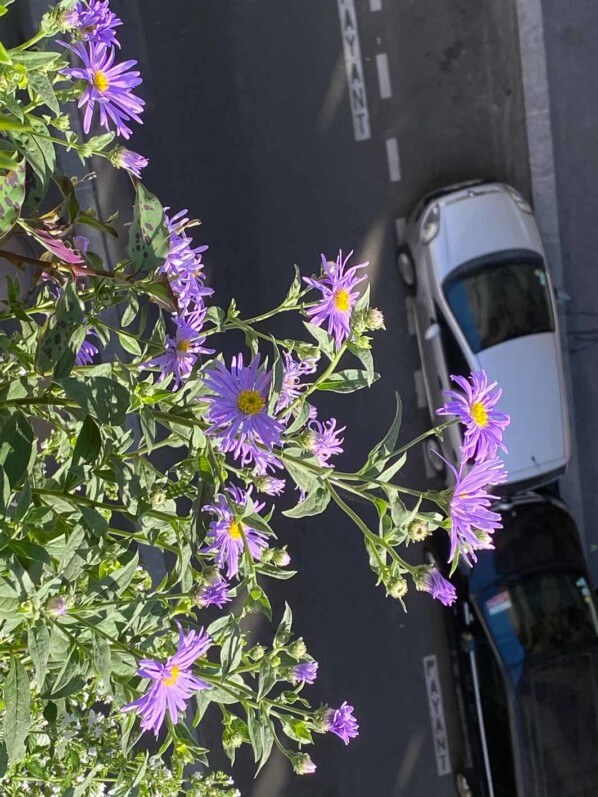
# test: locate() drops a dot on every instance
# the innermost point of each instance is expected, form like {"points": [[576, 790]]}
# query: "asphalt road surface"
{"points": [[249, 124]]}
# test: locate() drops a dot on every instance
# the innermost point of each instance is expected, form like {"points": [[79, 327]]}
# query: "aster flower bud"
{"points": [[267, 555], [302, 764], [269, 485], [124, 158], [320, 719], [57, 605], [418, 530], [374, 319], [280, 557], [298, 649], [275, 660], [257, 653], [397, 588]]}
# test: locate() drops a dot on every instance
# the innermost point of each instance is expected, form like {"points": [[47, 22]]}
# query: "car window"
{"points": [[495, 303], [493, 696], [541, 615], [455, 359]]}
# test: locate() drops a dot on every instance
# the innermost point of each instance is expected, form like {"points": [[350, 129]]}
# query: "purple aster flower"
{"points": [[439, 588], [109, 85], [338, 296], [291, 386], [183, 265], [182, 351], [87, 351], [324, 440], [307, 672], [214, 593], [475, 408], [238, 412], [228, 535], [302, 764], [94, 22], [342, 722], [472, 520], [269, 485], [172, 682], [124, 158]]}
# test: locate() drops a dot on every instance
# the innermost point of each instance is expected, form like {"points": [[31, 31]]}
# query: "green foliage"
{"points": [[86, 504]]}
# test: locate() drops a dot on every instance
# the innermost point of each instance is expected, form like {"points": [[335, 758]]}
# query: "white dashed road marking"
{"points": [[394, 164], [354, 69], [410, 315], [375, 5], [400, 228], [443, 761], [420, 389], [383, 76]]}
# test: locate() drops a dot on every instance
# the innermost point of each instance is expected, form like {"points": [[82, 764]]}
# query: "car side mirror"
{"points": [[432, 332], [561, 295]]}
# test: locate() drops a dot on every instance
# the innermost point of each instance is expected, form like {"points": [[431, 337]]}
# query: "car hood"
{"points": [[528, 371], [474, 226]]}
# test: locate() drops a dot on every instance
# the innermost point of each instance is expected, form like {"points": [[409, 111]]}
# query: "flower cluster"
{"points": [[472, 519]]}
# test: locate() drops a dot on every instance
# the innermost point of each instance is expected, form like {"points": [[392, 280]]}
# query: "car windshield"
{"points": [[543, 614], [493, 303]]}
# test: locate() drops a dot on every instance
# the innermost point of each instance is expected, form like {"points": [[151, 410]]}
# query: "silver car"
{"points": [[483, 299]]}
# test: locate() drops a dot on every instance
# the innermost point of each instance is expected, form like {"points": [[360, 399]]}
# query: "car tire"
{"points": [[433, 451], [462, 784], [406, 268]]}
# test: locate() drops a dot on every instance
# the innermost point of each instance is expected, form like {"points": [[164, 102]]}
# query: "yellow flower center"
{"points": [[479, 413], [183, 346], [173, 677], [342, 300], [235, 531], [250, 402], [100, 80]]}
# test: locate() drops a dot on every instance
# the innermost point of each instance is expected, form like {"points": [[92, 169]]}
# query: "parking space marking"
{"points": [[420, 389], [383, 76], [443, 761], [410, 307], [375, 5], [354, 70], [394, 163], [400, 228]]}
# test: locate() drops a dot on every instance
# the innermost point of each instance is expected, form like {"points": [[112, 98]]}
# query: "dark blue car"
{"points": [[525, 655]]}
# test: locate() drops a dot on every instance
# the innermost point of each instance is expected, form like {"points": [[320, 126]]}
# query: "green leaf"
{"points": [[366, 358], [17, 719], [12, 194], [323, 338], [16, 447], [42, 86], [3, 759], [267, 678], [8, 158], [75, 684], [4, 55], [297, 730], [38, 640], [10, 123], [283, 632], [314, 503], [39, 152], [34, 59], [347, 381], [379, 455], [62, 335], [148, 235], [89, 443], [101, 397], [102, 659], [232, 651], [91, 221], [303, 476], [74, 556]]}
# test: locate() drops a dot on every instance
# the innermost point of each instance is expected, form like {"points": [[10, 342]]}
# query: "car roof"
{"points": [[537, 534], [558, 726]]}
